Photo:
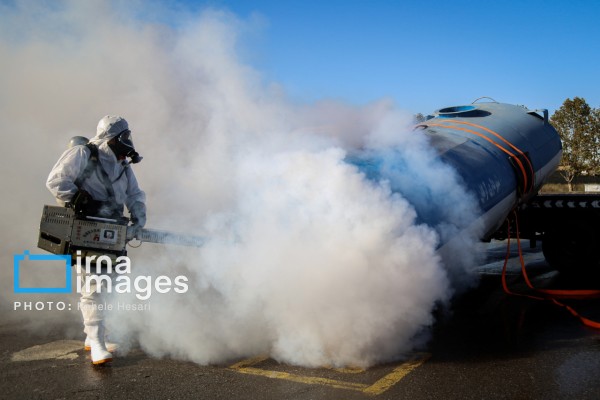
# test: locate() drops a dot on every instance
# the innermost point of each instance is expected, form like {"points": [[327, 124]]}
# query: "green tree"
{"points": [[579, 128], [596, 139]]}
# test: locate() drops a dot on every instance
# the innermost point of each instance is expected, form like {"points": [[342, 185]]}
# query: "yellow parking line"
{"points": [[311, 380], [396, 375], [350, 370], [249, 362], [383, 384]]}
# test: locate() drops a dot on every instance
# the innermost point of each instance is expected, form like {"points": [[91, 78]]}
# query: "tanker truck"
{"points": [[503, 155]]}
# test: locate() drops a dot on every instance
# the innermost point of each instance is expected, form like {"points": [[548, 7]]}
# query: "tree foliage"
{"points": [[578, 125]]}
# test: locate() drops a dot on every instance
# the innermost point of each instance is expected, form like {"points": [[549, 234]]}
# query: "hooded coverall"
{"points": [[61, 183]]}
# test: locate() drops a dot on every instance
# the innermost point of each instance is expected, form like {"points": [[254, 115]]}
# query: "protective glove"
{"points": [[80, 201], [138, 215]]}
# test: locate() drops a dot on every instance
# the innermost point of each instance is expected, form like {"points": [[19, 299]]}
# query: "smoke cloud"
{"points": [[308, 258]]}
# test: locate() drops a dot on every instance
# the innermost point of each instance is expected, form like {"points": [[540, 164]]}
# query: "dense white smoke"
{"points": [[306, 259]]}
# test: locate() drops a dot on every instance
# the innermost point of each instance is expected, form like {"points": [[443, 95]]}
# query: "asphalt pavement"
{"points": [[488, 345]]}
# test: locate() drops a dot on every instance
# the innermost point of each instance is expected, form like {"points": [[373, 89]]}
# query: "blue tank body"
{"points": [[502, 153]]}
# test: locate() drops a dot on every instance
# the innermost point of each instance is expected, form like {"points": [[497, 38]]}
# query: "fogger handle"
{"points": [[163, 237]]}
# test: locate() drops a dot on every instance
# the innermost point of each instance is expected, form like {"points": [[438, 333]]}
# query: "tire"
{"points": [[572, 249]]}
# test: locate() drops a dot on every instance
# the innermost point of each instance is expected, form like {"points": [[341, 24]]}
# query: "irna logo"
{"points": [[98, 272], [41, 259]]}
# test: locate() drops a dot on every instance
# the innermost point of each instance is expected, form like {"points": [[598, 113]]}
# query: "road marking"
{"points": [[349, 370], [377, 388], [396, 375], [60, 350]]}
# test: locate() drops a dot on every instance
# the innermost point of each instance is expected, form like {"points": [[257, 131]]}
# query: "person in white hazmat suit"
{"points": [[96, 179]]}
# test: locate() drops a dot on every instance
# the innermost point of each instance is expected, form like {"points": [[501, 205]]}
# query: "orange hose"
{"points": [[521, 166], [498, 136], [548, 294]]}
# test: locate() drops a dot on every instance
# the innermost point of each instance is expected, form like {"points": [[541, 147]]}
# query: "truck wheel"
{"points": [[572, 249]]}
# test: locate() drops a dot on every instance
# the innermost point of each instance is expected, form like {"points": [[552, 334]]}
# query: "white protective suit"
{"points": [[61, 183]]}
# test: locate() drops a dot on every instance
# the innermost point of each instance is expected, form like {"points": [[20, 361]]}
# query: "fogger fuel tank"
{"points": [[502, 153]]}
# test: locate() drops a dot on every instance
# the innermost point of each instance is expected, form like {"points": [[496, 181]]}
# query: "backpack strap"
{"points": [[125, 171], [90, 167], [94, 162]]}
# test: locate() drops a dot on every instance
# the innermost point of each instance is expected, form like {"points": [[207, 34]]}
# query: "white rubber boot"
{"points": [[95, 334], [111, 347]]}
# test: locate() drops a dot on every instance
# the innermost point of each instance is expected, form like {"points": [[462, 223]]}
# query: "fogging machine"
{"points": [[62, 231]]}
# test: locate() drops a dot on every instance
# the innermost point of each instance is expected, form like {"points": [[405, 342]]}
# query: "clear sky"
{"points": [[426, 54]]}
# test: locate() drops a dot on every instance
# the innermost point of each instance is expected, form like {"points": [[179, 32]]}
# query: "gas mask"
{"points": [[122, 146]]}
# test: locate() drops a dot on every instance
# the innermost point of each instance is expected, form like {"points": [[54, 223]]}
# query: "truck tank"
{"points": [[502, 153]]}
